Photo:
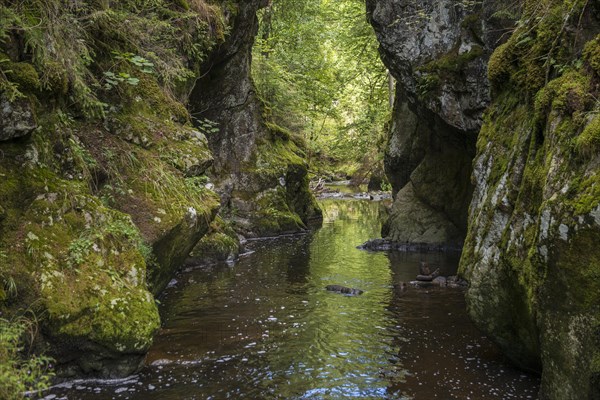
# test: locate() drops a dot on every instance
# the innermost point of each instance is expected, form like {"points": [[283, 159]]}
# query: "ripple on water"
{"points": [[266, 328]]}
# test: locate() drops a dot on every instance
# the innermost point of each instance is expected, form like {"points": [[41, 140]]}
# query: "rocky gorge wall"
{"points": [[437, 51], [261, 171], [105, 176], [530, 97]]}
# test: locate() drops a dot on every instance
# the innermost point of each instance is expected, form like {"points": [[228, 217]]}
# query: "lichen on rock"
{"points": [[531, 105], [529, 258], [259, 171]]}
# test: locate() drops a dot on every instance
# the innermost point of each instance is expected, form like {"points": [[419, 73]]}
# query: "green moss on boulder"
{"points": [[23, 74], [221, 243]]}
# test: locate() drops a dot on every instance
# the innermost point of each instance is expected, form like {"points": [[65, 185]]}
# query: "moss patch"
{"points": [[281, 198], [220, 243]]}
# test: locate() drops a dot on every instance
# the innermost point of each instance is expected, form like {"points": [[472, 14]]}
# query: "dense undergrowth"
{"points": [[80, 51], [20, 375]]}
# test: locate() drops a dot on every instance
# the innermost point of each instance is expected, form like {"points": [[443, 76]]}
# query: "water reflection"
{"points": [[266, 328]]}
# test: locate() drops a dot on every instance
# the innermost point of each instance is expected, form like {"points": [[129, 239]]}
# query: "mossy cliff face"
{"points": [[531, 252], [531, 255], [102, 176], [261, 173], [437, 51]]}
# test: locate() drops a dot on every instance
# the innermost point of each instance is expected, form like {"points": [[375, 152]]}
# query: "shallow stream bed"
{"points": [[265, 328]]}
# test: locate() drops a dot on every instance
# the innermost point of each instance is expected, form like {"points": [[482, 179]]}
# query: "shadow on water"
{"points": [[266, 328]]}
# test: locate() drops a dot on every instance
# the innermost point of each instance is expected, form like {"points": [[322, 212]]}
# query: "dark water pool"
{"points": [[265, 328]]}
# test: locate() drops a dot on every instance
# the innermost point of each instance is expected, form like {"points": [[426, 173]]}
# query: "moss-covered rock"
{"points": [[108, 196], [97, 229], [273, 197], [104, 195], [24, 75], [86, 264], [259, 169], [591, 54], [531, 253], [221, 243], [528, 252]]}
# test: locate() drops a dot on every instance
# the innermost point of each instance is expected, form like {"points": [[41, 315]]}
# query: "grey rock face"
{"points": [[226, 94], [16, 118], [251, 180], [438, 52]]}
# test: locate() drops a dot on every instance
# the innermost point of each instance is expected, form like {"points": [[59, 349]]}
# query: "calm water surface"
{"points": [[265, 328]]}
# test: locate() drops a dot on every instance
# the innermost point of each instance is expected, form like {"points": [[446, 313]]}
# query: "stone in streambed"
{"points": [[344, 290]]}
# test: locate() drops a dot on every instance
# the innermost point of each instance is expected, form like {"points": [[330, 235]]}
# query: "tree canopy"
{"points": [[316, 66]]}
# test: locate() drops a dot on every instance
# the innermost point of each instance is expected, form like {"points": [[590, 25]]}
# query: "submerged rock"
{"points": [[440, 280], [452, 282], [387, 245], [344, 290]]}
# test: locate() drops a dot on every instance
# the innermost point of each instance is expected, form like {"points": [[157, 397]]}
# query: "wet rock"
{"points": [[17, 118], [344, 290], [451, 282], [430, 277], [331, 195], [386, 245], [361, 196], [440, 281], [456, 282]]}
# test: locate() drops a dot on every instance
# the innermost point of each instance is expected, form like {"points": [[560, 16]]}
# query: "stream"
{"points": [[265, 327]]}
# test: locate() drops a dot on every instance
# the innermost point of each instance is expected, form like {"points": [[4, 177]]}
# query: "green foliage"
{"points": [[317, 67], [19, 374], [207, 126], [111, 79], [541, 47], [82, 49]]}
